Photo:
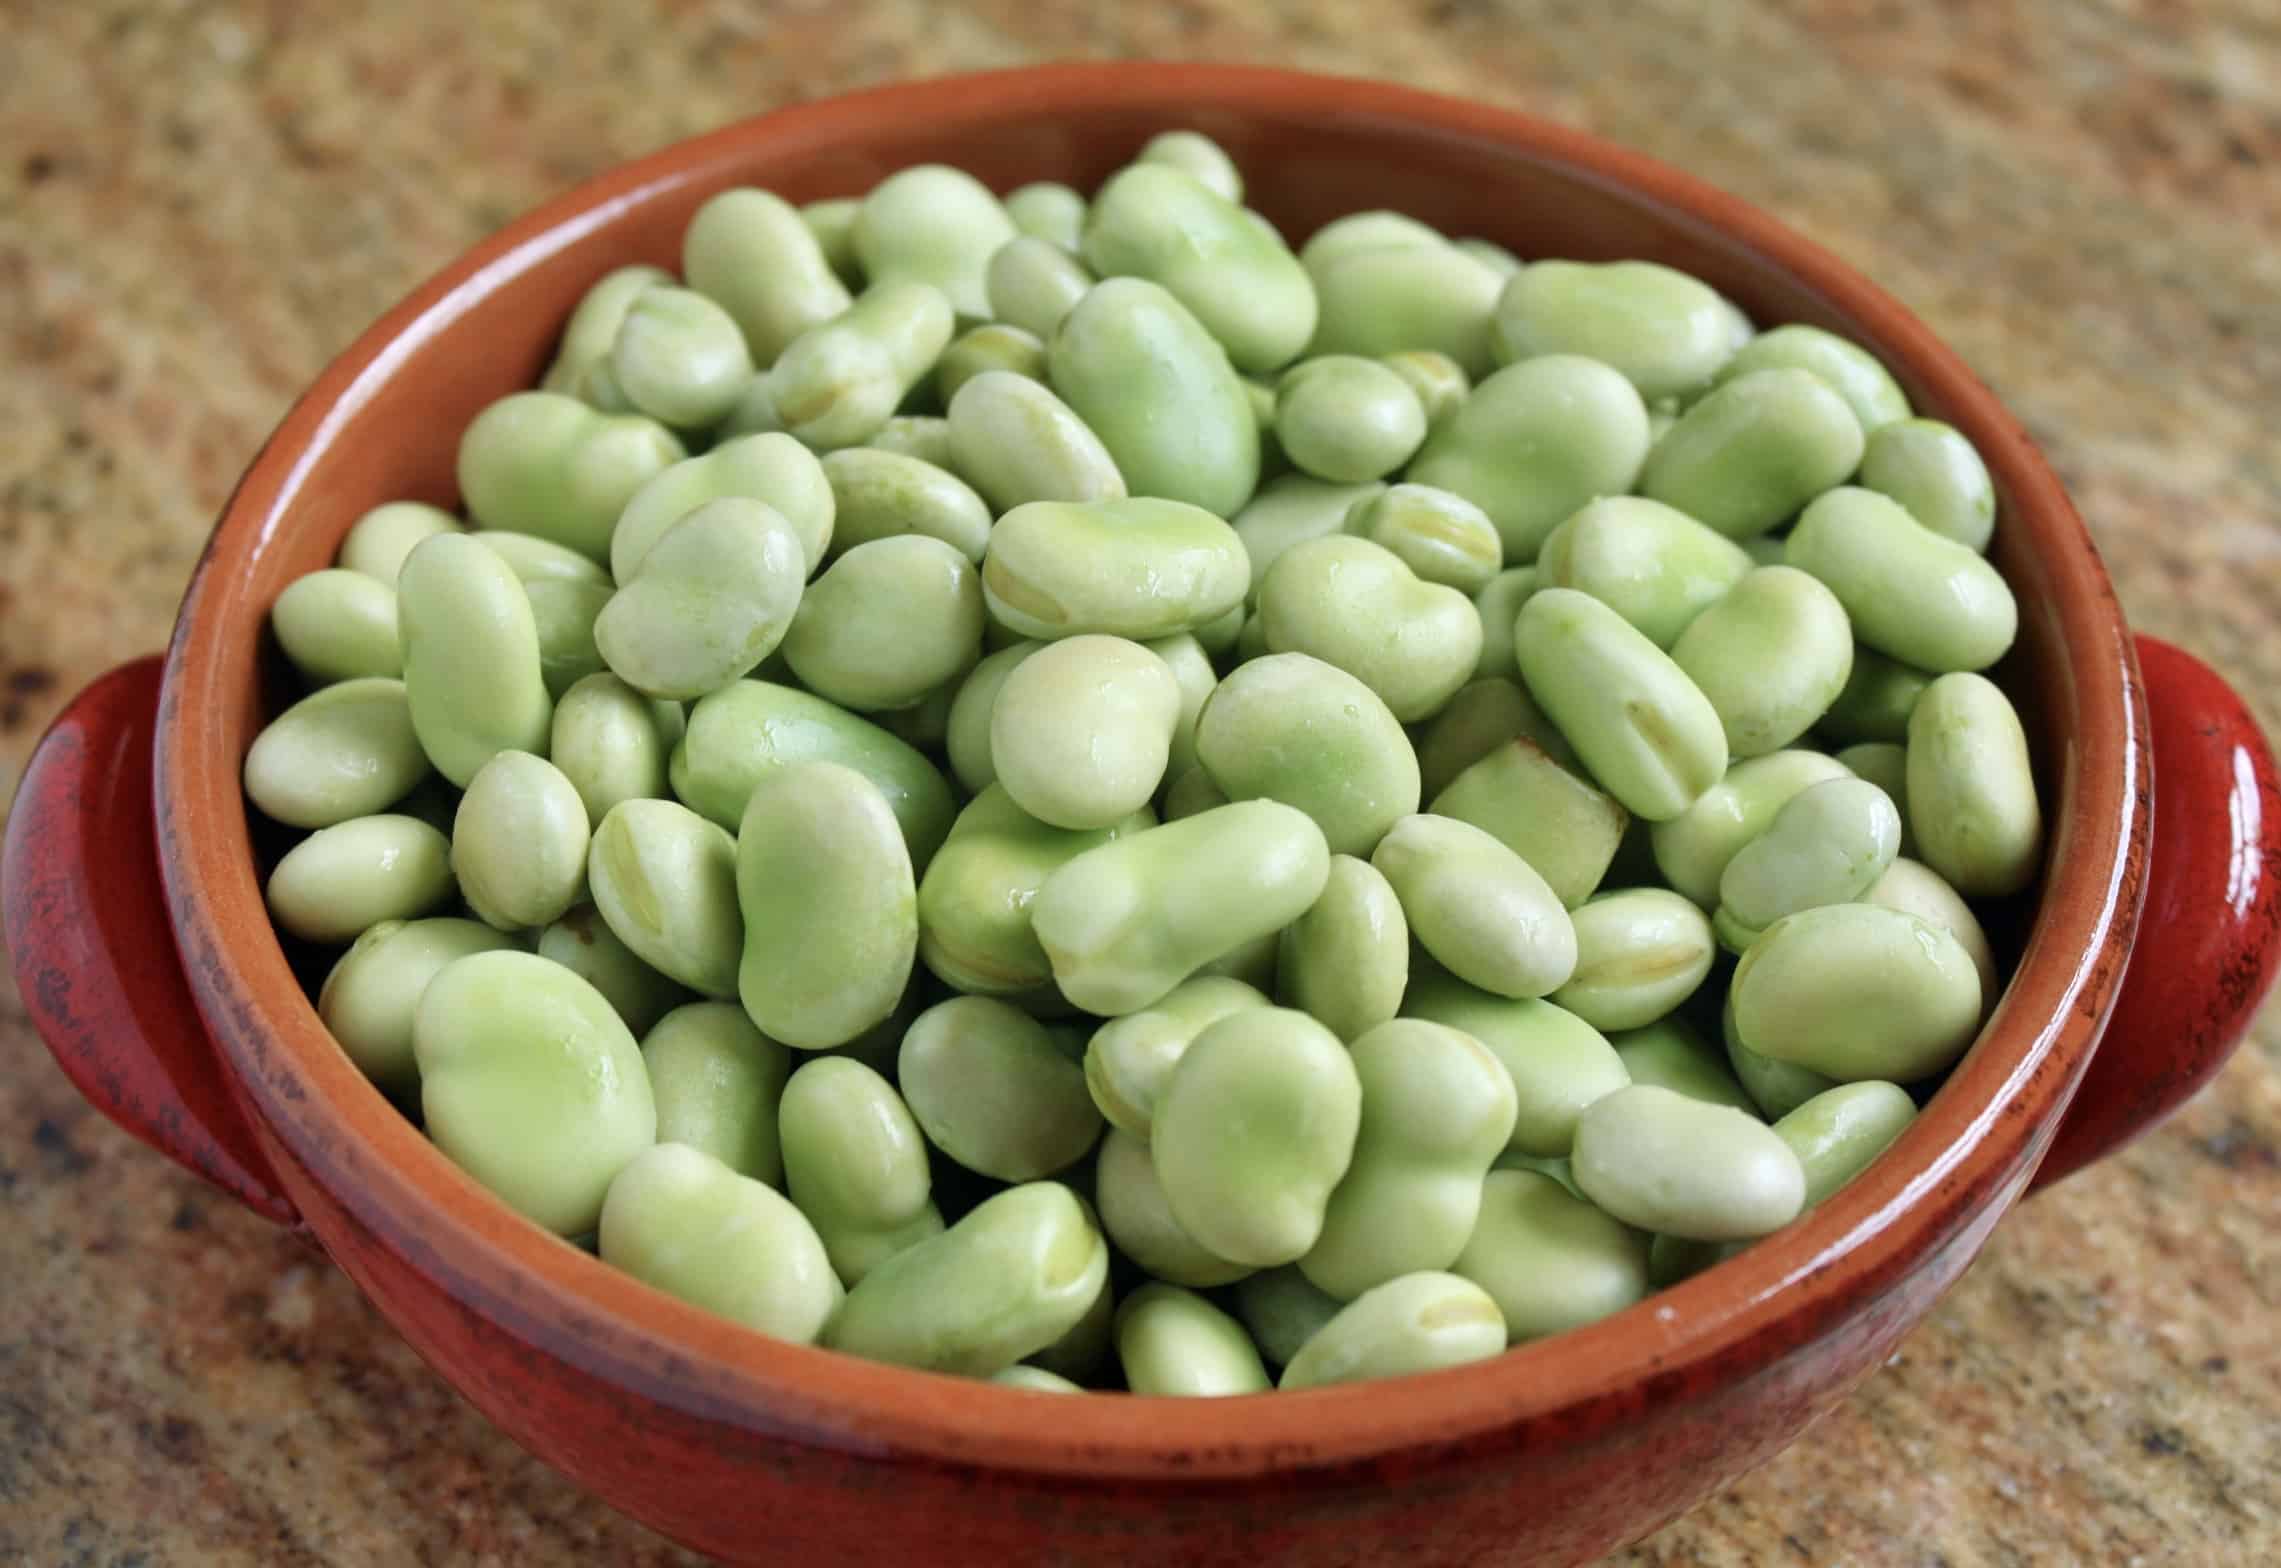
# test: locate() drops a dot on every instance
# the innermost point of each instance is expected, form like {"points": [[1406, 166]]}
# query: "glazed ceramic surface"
{"points": [[762, 1452]]}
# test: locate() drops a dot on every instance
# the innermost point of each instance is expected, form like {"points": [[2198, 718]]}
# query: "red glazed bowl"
{"points": [[131, 846]]}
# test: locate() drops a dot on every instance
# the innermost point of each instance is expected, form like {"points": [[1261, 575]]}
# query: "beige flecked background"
{"points": [[200, 203]]}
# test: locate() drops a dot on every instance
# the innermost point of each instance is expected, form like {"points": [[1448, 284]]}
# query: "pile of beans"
{"points": [[1052, 790]]}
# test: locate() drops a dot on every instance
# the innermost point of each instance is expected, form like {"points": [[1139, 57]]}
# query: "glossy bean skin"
{"points": [[593, 325], [541, 463], [887, 623], [680, 358], [344, 879], [1197, 156], [1033, 283], [679, 1219], [1838, 1132], [471, 657], [1157, 388], [531, 1084], [1417, 1323], [1125, 922], [1347, 419], [839, 382], [971, 710], [1129, 1060], [1654, 565], [1139, 568], [1081, 733], [1535, 442], [718, 1083], [1138, 1218], [1886, 765], [1296, 729], [1549, 1259], [377, 543], [974, 901], [1283, 1309], [1849, 370], [1645, 731], [337, 625], [518, 842], [1484, 713], [1915, 888], [1173, 1341], [1291, 509], [1479, 909], [995, 346], [713, 597], [665, 879], [1255, 1131], [1692, 849], [923, 436], [1667, 332], [1771, 655], [763, 260], [1936, 476], [1016, 441], [856, 1164], [768, 467], [829, 902], [1439, 381], [1346, 961], [1566, 829], [1443, 538], [1389, 299], [739, 735], [991, 1090], [1676, 1166], [1754, 450], [1354, 604], [1911, 594], [1155, 222], [1828, 845], [1049, 210], [932, 225], [1006, 1281], [1876, 701], [583, 943], [1775, 1088], [1671, 1055], [1972, 788], [1559, 1064], [1640, 952], [877, 495], [344, 751], [1437, 1107], [372, 991], [1858, 991]]}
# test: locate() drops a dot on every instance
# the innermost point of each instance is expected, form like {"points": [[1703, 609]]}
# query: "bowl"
{"points": [[135, 921]]}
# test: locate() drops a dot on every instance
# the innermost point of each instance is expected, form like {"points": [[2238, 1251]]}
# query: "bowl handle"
{"points": [[2209, 945], [84, 914]]}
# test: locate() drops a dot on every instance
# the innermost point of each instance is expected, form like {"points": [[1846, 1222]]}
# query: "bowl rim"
{"points": [[1964, 1158]]}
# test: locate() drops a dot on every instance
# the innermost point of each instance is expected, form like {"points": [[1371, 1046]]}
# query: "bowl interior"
{"points": [[383, 424]]}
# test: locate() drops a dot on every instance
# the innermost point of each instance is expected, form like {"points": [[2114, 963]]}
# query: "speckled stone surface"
{"points": [[200, 203]]}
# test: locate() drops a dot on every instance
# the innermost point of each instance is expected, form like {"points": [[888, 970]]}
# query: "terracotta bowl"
{"points": [[130, 848]]}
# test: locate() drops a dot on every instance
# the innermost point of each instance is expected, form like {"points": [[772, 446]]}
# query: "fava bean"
{"points": [[1677, 1166], [1838, 1132], [1549, 1259], [887, 623], [1137, 568], [1255, 1131], [718, 1083], [1565, 829], [830, 906], [337, 625], [1754, 450], [531, 1084], [1346, 961], [1559, 1064], [993, 1091], [769, 467], [518, 842], [763, 261], [371, 992], [1417, 1323], [1138, 1219], [1972, 788], [856, 1164], [879, 495], [346, 750], [344, 879], [1771, 656], [1640, 952], [1936, 476], [932, 224], [1006, 1281], [1858, 991], [541, 463], [1173, 1341], [1018, 442]]}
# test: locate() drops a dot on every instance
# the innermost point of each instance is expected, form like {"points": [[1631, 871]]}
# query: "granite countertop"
{"points": [[200, 204]]}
